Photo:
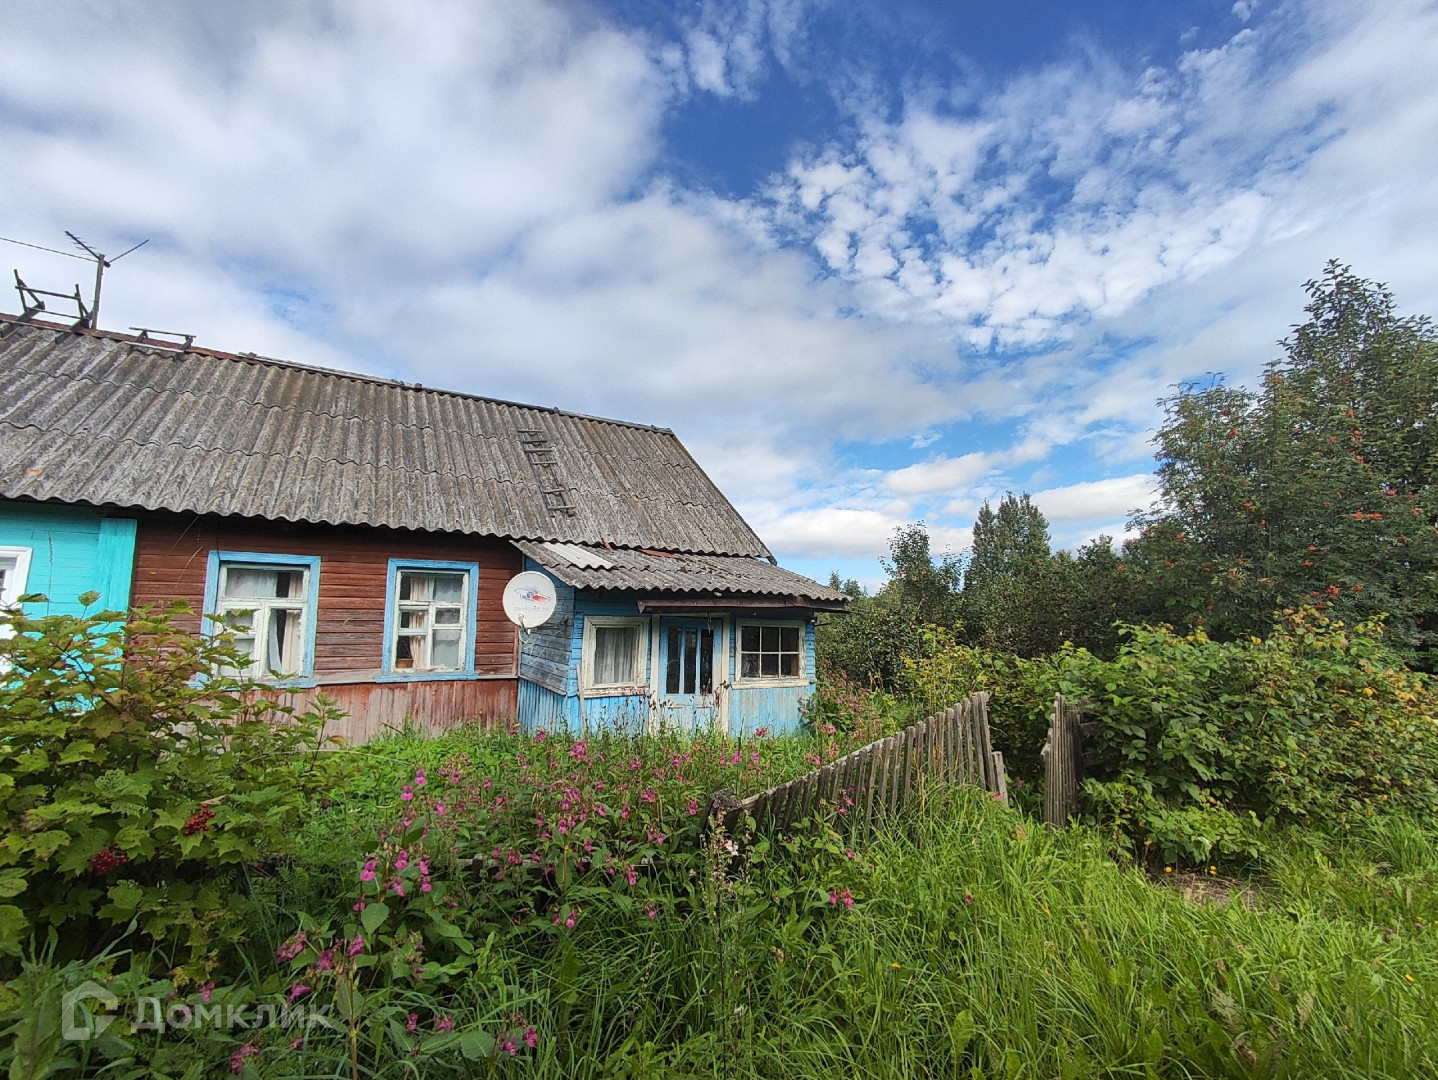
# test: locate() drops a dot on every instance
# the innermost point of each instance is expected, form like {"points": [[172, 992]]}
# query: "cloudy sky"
{"points": [[873, 260]]}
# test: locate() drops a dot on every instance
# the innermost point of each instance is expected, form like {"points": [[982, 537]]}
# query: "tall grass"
{"points": [[983, 945]]}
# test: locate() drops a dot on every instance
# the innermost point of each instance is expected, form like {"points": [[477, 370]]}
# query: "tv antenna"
{"points": [[30, 298]]}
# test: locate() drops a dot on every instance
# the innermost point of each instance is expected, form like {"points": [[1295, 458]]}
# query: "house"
{"points": [[357, 533]]}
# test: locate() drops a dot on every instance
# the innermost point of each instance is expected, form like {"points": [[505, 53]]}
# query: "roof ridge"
{"points": [[318, 369]]}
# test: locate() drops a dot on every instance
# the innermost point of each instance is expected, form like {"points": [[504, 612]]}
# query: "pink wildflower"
{"points": [[444, 1023], [540, 735], [240, 1056], [325, 961], [207, 991], [367, 874], [531, 1038], [291, 948], [647, 795], [412, 1022], [356, 946], [630, 875], [420, 779], [651, 911], [693, 807], [402, 860], [297, 990], [407, 794], [508, 1047], [439, 808]]}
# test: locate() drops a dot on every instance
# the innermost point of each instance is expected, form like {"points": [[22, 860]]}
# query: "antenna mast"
{"points": [[100, 265]]}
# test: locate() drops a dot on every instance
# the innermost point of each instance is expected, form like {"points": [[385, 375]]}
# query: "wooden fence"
{"points": [[1063, 762], [877, 780]]}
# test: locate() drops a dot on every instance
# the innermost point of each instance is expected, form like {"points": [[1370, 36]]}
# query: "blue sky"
{"points": [[873, 261]]}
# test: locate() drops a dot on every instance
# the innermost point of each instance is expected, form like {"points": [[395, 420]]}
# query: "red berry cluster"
{"points": [[111, 858], [199, 822]]}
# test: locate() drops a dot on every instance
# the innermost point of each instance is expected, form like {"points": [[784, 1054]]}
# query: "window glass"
{"points": [[769, 652], [429, 620], [266, 607], [689, 666], [616, 655], [7, 579]]}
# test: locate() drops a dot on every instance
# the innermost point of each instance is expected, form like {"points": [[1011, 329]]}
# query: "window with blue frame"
{"points": [[429, 618], [770, 651], [269, 603]]}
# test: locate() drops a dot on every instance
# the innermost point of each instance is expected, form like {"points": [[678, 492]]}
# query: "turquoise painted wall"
{"points": [[73, 550]]}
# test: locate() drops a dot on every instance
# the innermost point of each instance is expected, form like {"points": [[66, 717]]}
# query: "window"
{"points": [[430, 619], [614, 652], [268, 602], [689, 667], [768, 651], [14, 570]]}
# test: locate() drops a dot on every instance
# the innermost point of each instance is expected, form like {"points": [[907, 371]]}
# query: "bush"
{"points": [[1198, 742], [1022, 693], [135, 781]]}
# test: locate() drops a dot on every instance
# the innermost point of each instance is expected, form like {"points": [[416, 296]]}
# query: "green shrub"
{"points": [[135, 781], [1021, 693], [1198, 741]]}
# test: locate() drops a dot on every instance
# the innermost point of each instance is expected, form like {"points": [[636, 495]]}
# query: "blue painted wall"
{"points": [[73, 550], [542, 706]]}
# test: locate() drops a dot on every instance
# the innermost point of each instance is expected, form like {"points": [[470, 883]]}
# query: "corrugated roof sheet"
{"points": [[100, 418], [646, 571]]}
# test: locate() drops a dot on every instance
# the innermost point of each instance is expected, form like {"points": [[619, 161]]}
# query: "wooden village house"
{"points": [[357, 533]]}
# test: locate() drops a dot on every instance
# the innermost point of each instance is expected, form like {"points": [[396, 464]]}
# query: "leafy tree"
{"points": [[870, 641], [923, 585], [1011, 580], [1320, 488]]}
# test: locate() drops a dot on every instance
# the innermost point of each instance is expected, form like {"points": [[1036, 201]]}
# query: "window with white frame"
{"points": [[615, 650], [14, 571], [267, 607], [771, 651], [430, 619]]}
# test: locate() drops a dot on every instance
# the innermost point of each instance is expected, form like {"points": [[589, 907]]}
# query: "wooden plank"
{"points": [[881, 778], [760, 810], [864, 804], [1053, 769], [792, 795], [986, 751], [951, 723], [896, 770], [907, 768]]}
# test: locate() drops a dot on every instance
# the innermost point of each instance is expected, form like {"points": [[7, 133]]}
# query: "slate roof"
{"points": [[106, 419], [589, 567]]}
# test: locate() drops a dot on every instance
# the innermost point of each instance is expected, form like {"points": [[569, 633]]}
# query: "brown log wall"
{"points": [[172, 554]]}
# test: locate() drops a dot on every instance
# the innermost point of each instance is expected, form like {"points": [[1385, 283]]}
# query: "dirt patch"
{"points": [[1201, 887]]}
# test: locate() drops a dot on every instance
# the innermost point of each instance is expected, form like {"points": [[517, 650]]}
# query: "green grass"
{"points": [[980, 944], [1062, 964]]}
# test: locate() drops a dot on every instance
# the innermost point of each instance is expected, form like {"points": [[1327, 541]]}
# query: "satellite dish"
{"points": [[529, 599]]}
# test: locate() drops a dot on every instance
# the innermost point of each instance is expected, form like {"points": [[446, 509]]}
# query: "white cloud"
{"points": [[1096, 500], [835, 532], [466, 193]]}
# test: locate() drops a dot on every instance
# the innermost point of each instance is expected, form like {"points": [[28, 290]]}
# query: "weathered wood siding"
{"points": [[546, 653], [171, 556]]}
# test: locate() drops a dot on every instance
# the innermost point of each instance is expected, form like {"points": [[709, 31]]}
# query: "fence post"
{"points": [[1062, 762]]}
